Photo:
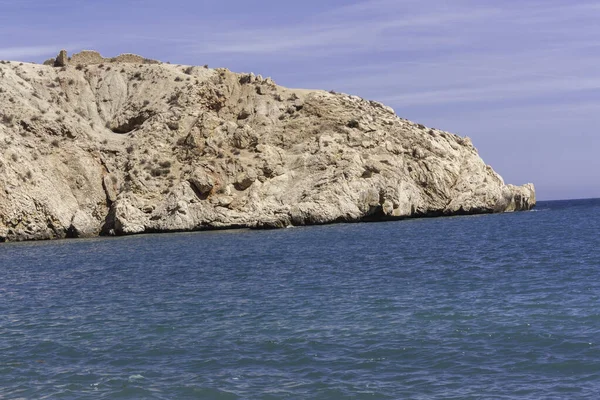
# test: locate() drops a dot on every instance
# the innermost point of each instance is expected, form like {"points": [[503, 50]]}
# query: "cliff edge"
{"points": [[126, 145]]}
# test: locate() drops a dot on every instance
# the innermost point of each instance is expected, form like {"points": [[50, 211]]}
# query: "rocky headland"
{"points": [[127, 145]]}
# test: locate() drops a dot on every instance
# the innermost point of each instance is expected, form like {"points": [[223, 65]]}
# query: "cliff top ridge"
{"points": [[92, 57]]}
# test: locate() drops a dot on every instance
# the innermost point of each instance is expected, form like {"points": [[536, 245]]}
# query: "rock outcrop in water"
{"points": [[127, 145]]}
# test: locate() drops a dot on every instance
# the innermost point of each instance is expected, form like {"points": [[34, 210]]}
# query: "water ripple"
{"points": [[495, 306]]}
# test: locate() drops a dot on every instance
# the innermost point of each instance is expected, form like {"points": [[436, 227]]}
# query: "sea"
{"points": [[501, 306]]}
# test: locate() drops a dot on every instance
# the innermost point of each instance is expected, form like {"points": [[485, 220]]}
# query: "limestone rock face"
{"points": [[130, 145]]}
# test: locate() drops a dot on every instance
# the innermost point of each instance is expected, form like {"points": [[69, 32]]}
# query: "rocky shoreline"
{"points": [[127, 145]]}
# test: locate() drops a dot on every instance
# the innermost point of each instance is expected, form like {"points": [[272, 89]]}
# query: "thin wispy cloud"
{"points": [[16, 53], [338, 33], [500, 91], [467, 51]]}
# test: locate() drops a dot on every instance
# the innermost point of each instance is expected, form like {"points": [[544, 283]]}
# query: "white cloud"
{"points": [[408, 52], [338, 32], [500, 91], [17, 53]]}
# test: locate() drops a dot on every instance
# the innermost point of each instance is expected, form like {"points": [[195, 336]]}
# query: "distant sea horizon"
{"points": [[569, 199]]}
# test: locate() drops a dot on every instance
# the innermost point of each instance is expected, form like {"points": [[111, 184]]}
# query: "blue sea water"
{"points": [[498, 306]]}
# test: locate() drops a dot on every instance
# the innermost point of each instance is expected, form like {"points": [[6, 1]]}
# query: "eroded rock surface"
{"points": [[133, 146]]}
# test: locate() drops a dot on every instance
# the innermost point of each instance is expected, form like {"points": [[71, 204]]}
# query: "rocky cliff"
{"points": [[127, 145]]}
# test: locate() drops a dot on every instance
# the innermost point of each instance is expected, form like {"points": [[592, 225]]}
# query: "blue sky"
{"points": [[521, 78]]}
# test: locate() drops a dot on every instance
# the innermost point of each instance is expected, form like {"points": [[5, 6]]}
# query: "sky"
{"points": [[520, 78]]}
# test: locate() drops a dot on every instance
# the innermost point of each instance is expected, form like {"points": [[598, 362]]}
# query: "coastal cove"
{"points": [[495, 305]]}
